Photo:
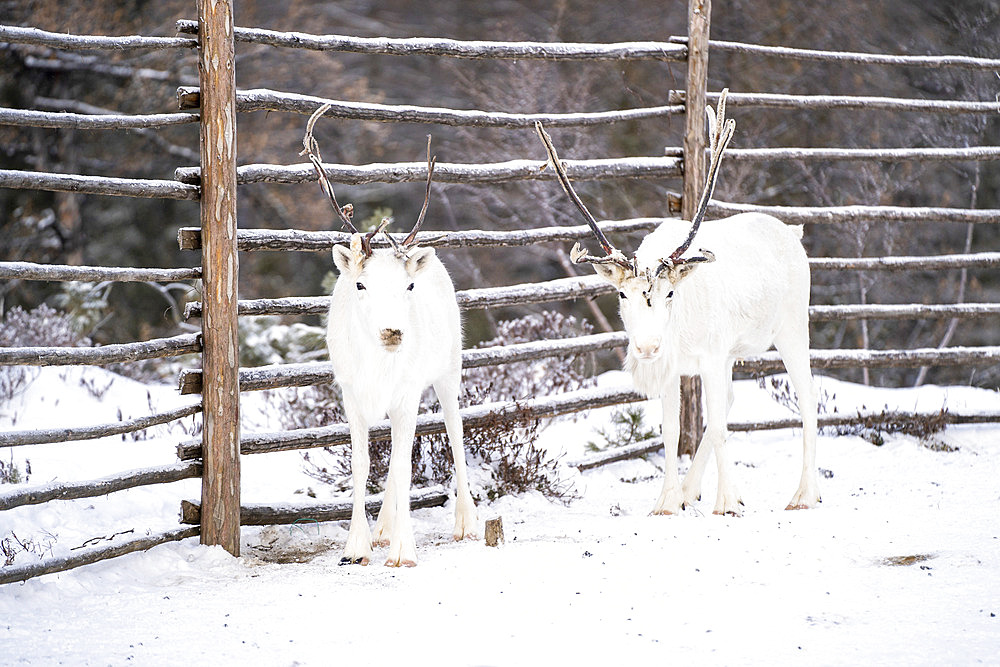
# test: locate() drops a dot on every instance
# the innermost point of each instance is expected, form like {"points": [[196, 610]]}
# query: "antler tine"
{"points": [[719, 138], [311, 148], [367, 240], [431, 161], [614, 255]]}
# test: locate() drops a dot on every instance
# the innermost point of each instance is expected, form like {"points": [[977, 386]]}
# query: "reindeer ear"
{"points": [[675, 274], [612, 273], [418, 259], [349, 260]]}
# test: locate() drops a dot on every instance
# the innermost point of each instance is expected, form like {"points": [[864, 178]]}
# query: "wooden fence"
{"points": [[213, 104]]}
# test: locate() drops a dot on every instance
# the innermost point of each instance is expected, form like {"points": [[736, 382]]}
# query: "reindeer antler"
{"points": [[720, 135], [431, 161], [578, 254], [311, 148]]}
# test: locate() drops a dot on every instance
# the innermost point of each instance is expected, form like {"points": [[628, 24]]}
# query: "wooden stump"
{"points": [[494, 532]]}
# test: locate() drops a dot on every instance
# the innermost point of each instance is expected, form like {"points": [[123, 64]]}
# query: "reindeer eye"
{"points": [[360, 286], [410, 288], [622, 295]]}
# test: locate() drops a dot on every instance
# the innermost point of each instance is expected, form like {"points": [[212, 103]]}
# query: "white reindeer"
{"points": [[394, 330], [748, 289]]}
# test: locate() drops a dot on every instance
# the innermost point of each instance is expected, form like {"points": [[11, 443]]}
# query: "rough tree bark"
{"points": [[220, 359]]}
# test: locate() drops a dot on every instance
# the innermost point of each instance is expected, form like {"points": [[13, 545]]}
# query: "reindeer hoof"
{"points": [[663, 512], [799, 506], [383, 542], [347, 560], [400, 563]]}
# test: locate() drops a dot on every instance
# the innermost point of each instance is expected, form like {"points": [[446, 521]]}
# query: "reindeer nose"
{"points": [[648, 348], [391, 338]]}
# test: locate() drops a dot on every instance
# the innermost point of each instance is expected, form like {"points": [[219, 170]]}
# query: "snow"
{"points": [[899, 565]]}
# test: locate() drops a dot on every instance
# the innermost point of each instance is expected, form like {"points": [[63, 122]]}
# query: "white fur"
{"points": [[379, 380], [700, 318]]}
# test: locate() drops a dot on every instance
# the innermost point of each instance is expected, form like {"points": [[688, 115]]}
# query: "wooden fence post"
{"points": [[699, 18], [220, 490]]}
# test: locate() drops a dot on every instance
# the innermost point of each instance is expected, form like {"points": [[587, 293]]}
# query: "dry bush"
{"points": [[44, 326]]}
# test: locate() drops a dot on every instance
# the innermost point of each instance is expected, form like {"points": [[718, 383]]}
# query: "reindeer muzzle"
{"points": [[391, 339]]}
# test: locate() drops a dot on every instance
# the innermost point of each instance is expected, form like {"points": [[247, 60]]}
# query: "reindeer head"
{"points": [[646, 291], [379, 288]]}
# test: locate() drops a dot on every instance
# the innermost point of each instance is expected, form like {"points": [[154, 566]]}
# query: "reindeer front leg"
{"points": [[465, 507], [358, 550], [402, 547], [671, 500], [718, 398]]}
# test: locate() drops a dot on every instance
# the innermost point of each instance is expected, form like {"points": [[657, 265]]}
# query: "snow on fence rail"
{"points": [[566, 289], [449, 172], [81, 121], [66, 273], [97, 185], [847, 57], [158, 348], [43, 436], [432, 46], [312, 373], [262, 99], [59, 40]]}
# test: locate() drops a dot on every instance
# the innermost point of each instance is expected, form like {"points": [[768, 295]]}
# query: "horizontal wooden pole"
{"points": [[56, 119], [307, 374], [35, 495], [60, 40], [262, 99], [312, 373], [433, 46], [871, 419], [963, 154], [42, 436], [915, 358], [828, 102], [106, 354], [63, 272], [285, 513], [904, 311], [847, 57], [252, 240], [339, 434], [938, 262], [447, 172], [561, 289], [856, 213], [97, 185], [550, 406], [189, 238], [564, 289], [17, 573]]}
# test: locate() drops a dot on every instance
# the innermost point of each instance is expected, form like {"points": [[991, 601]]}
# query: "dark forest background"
{"points": [[113, 231]]}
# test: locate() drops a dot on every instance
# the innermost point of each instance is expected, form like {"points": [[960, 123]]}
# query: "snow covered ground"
{"points": [[899, 565]]}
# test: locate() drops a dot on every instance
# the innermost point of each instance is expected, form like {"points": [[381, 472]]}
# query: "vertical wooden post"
{"points": [[699, 18], [220, 489]]}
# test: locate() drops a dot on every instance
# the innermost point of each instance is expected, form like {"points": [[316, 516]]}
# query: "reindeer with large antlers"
{"points": [[394, 330], [744, 290]]}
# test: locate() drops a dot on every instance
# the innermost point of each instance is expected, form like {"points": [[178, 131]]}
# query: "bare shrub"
{"points": [[42, 327]]}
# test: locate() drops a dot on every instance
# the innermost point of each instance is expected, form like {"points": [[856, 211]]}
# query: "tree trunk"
{"points": [[220, 359]]}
